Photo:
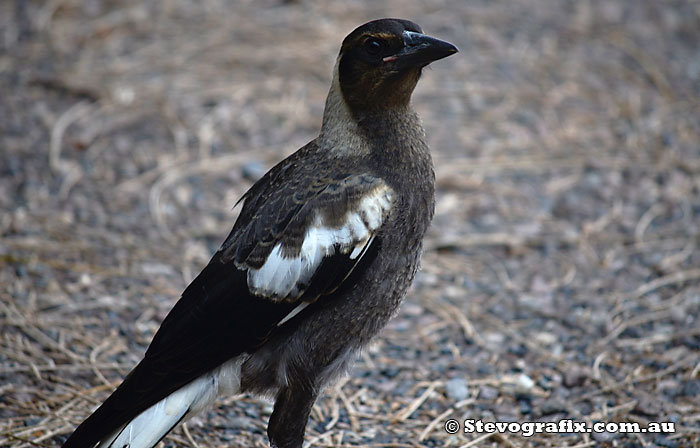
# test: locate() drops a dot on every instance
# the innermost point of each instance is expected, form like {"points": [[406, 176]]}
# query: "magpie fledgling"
{"points": [[319, 259]]}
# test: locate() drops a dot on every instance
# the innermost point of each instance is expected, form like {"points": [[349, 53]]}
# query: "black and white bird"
{"points": [[319, 259]]}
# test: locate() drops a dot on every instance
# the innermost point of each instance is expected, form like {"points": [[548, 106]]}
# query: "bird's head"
{"points": [[380, 62]]}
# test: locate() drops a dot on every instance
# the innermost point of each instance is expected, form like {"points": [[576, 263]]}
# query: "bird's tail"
{"points": [[149, 427]]}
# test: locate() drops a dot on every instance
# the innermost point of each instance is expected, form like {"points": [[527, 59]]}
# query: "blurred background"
{"points": [[561, 277]]}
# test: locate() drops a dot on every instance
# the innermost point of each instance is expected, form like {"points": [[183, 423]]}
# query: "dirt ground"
{"points": [[561, 277]]}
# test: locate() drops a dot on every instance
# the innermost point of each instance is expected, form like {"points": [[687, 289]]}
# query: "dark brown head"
{"points": [[380, 63]]}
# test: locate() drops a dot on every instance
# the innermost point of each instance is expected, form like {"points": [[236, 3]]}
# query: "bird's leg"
{"points": [[288, 420]]}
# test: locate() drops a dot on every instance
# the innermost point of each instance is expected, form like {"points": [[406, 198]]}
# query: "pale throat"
{"points": [[339, 131]]}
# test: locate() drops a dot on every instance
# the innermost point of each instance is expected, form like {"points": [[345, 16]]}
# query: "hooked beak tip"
{"points": [[421, 49]]}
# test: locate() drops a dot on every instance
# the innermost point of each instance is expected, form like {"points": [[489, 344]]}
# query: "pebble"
{"points": [[633, 445], [518, 350], [575, 376], [390, 371], [524, 384], [552, 407], [85, 279], [484, 369], [525, 407], [666, 442], [679, 315], [648, 407], [546, 338], [692, 343], [494, 339], [603, 437], [690, 388], [457, 389], [488, 393]]}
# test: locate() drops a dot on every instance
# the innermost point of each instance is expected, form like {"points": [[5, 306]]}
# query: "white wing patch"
{"points": [[281, 276]]}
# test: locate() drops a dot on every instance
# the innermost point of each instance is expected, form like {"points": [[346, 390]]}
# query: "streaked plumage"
{"points": [[324, 248]]}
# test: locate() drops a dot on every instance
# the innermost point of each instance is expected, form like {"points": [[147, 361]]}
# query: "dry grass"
{"points": [[564, 248]]}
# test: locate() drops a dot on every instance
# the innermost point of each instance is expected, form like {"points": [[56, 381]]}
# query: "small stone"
{"points": [[648, 407], [488, 393], [664, 441], [552, 407], [390, 372], [525, 407], [524, 384], [412, 309], [679, 315], [387, 386], [457, 389], [603, 437], [32, 421], [484, 369], [241, 423], [518, 350], [633, 445], [545, 338], [669, 386], [690, 388], [494, 339], [85, 279], [575, 376], [692, 342]]}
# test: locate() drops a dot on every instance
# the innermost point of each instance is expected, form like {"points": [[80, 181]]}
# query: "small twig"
{"points": [[627, 381], [352, 416], [635, 321], [26, 440], [428, 429], [658, 338], [505, 440], [68, 168], [315, 439], [596, 365], [478, 440], [63, 85], [646, 219], [93, 359], [403, 415], [666, 280], [335, 408], [186, 430], [585, 444]]}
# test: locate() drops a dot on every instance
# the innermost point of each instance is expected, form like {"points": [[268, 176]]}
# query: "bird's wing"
{"points": [[295, 248], [295, 233], [293, 243]]}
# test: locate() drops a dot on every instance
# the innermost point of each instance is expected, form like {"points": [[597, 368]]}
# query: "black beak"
{"points": [[420, 50]]}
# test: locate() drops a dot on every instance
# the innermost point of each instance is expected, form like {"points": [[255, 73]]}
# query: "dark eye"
{"points": [[374, 46]]}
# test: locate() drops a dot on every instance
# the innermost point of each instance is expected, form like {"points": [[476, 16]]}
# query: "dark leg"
{"points": [[288, 420]]}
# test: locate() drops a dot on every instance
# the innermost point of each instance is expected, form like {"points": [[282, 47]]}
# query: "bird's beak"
{"points": [[420, 50]]}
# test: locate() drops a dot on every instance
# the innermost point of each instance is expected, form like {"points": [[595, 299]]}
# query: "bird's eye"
{"points": [[374, 46]]}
